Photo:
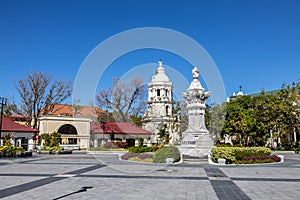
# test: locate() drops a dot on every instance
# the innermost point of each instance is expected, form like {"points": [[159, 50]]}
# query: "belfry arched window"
{"points": [[167, 110], [158, 92]]}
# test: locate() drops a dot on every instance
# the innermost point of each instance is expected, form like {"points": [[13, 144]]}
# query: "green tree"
{"points": [[254, 119], [163, 133], [215, 119], [239, 120]]}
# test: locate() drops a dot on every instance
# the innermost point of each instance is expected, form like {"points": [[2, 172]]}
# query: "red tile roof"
{"points": [[18, 116], [118, 128], [70, 110], [8, 125]]}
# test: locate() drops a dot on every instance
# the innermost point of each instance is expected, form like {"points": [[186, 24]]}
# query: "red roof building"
{"points": [[123, 128], [101, 133], [8, 125]]}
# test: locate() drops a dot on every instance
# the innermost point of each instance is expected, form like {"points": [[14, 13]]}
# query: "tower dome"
{"points": [[160, 75], [240, 93]]}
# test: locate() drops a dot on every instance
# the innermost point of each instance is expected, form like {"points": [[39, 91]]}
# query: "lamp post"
{"points": [[3, 103]]}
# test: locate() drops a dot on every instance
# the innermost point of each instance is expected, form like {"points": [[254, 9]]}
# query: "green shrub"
{"points": [[224, 145], [254, 161], [53, 150], [140, 149], [141, 141], [166, 152], [223, 152], [52, 139], [234, 154], [10, 151]]}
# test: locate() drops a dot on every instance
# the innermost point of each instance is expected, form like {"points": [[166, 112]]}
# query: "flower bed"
{"points": [[115, 145], [244, 155], [144, 157], [141, 149], [158, 156]]}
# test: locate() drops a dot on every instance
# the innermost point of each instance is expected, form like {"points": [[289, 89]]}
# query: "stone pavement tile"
{"points": [[147, 170], [270, 190], [11, 181], [113, 188], [33, 168], [262, 172], [188, 171], [127, 169]]}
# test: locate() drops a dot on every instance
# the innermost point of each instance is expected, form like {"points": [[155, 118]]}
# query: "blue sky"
{"points": [[254, 43]]}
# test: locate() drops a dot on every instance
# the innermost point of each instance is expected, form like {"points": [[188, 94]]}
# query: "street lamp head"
{"points": [[3, 100]]}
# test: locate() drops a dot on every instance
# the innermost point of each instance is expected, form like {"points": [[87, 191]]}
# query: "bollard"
{"points": [[221, 161], [169, 161]]}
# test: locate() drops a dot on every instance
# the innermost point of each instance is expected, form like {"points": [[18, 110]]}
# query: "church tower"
{"points": [[160, 103]]}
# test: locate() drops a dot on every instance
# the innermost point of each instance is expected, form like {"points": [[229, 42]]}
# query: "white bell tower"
{"points": [[160, 102]]}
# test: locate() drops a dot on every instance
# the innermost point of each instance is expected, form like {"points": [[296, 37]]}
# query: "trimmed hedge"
{"points": [[162, 154], [236, 154], [139, 149]]}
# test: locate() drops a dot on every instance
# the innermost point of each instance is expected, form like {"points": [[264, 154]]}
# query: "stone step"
{"points": [[185, 156], [195, 161]]}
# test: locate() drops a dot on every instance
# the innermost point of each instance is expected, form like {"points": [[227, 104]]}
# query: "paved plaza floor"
{"points": [[104, 176]]}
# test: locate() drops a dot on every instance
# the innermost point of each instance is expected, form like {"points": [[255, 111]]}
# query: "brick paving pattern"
{"points": [[104, 176]]}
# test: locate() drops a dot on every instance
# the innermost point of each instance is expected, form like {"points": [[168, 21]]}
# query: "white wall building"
{"points": [[75, 130]]}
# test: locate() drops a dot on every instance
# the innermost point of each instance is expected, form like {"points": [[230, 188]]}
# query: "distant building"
{"points": [[80, 129], [240, 93]]}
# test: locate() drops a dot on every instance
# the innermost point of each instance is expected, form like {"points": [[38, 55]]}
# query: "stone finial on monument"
{"points": [[197, 140], [195, 73]]}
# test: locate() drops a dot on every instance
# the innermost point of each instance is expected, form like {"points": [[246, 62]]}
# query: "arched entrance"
{"points": [[67, 129], [69, 134]]}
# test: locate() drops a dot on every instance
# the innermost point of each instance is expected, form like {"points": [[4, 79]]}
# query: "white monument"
{"points": [[160, 103], [197, 141]]}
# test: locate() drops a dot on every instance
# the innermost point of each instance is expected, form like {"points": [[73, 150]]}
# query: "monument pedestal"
{"points": [[197, 141], [196, 147]]}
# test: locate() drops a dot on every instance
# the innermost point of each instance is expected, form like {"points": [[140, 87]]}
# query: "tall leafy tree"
{"points": [[289, 106], [254, 119], [239, 120], [215, 119], [163, 134], [39, 93]]}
